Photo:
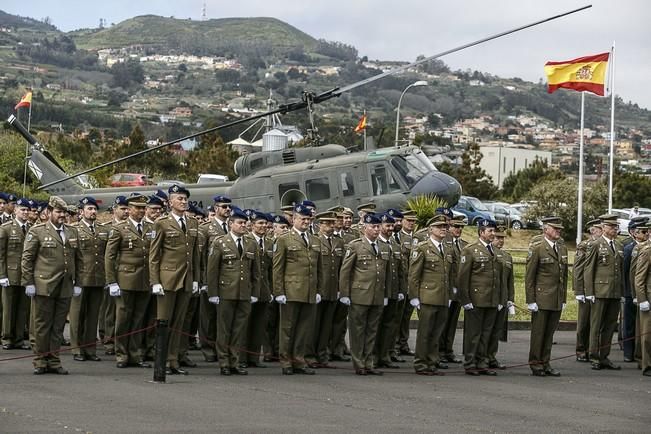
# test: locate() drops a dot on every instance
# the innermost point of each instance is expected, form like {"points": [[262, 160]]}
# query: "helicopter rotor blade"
{"points": [[309, 98]]}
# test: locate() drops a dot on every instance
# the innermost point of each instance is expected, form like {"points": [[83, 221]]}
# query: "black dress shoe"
{"points": [[595, 366], [148, 358], [610, 365], [79, 357], [397, 359], [426, 372], [582, 358], [210, 359], [109, 352], [65, 343], [374, 372], [176, 371], [7, 347], [187, 363], [313, 365], [552, 372], [629, 359], [488, 372], [472, 372], [243, 365], [452, 359], [406, 352], [496, 365], [143, 364], [538, 373], [288, 371], [269, 359], [388, 365], [40, 371], [93, 358], [24, 347], [121, 365], [442, 365], [225, 371], [647, 373], [360, 371], [239, 371], [338, 358], [256, 365], [304, 371], [58, 371]]}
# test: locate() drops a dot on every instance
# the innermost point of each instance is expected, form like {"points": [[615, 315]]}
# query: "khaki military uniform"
{"points": [[406, 310], [479, 283], [507, 290], [107, 313], [296, 276], [446, 342], [48, 263], [174, 264], [603, 279], [637, 354], [337, 344], [643, 293], [430, 282], [546, 285], [14, 300], [365, 278], [583, 316], [208, 232], [271, 342], [89, 268], [126, 263], [234, 279]]}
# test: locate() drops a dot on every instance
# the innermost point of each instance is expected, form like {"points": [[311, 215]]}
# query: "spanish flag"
{"points": [[583, 74], [25, 101], [361, 126]]}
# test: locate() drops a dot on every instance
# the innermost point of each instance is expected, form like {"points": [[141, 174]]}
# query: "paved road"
{"points": [[97, 397]]}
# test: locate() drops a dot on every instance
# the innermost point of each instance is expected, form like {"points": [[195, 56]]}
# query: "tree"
{"points": [[630, 188], [126, 74], [517, 185], [212, 155], [473, 179]]}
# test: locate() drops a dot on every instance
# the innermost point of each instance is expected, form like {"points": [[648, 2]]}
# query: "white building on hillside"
{"points": [[499, 161]]}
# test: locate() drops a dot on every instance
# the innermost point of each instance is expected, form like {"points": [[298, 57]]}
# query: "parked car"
{"points": [[473, 209], [129, 180], [207, 178], [506, 215]]}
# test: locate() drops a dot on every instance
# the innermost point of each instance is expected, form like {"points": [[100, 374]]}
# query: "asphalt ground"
{"points": [[98, 397]]}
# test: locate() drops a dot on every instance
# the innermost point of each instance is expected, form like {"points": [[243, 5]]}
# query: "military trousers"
{"points": [[402, 343], [645, 340], [317, 350], [637, 354], [14, 315], [603, 324], [296, 323], [131, 310], [629, 313], [207, 327], [271, 345], [149, 341], [232, 322], [498, 329], [49, 319], [446, 342], [256, 335], [172, 307], [107, 320], [583, 328], [431, 322], [387, 332], [543, 325], [477, 327], [363, 322], [337, 343], [189, 326], [84, 317]]}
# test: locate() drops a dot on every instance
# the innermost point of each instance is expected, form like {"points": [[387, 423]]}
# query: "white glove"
{"points": [[563, 306], [401, 296], [254, 300], [318, 298], [512, 309], [157, 289], [195, 287], [580, 298], [635, 300], [338, 295], [213, 300], [271, 298], [30, 290], [281, 299], [622, 299], [468, 306], [509, 304], [533, 307], [449, 302], [591, 298], [204, 288], [4, 282], [386, 301], [454, 290], [415, 302], [114, 290], [500, 307], [345, 300], [644, 306], [76, 291]]}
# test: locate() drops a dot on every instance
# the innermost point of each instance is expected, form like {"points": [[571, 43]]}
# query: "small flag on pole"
{"points": [[361, 126], [25, 101], [583, 74]]}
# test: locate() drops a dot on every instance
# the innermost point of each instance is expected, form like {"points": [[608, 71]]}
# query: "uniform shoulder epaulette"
{"points": [[38, 225], [120, 223], [7, 223], [206, 223], [107, 224], [356, 241], [535, 243]]}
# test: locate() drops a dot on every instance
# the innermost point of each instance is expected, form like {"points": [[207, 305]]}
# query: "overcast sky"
{"points": [[401, 30]]}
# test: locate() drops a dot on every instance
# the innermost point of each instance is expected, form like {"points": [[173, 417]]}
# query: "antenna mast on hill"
{"points": [[203, 12]]}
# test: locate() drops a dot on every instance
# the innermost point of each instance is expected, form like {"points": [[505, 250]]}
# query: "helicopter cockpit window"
{"points": [[382, 181], [410, 168], [318, 188], [347, 184]]}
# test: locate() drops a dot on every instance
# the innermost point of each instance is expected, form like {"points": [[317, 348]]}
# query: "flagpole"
{"points": [[365, 129], [612, 131], [579, 216]]}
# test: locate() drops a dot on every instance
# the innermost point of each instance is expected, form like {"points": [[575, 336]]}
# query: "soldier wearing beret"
{"points": [[604, 288], [546, 293], [583, 316], [641, 285], [407, 241], [89, 268], [430, 289], [14, 300], [337, 345], [507, 295], [48, 272], [362, 210], [7, 204], [364, 283], [174, 269], [479, 283]]}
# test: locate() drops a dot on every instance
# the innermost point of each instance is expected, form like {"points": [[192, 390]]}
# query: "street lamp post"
{"points": [[417, 83]]}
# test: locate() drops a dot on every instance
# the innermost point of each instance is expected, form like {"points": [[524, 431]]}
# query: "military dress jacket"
{"points": [[11, 250], [430, 274], [208, 231], [126, 261], [508, 284], [579, 265], [479, 277], [231, 276], [296, 267], [603, 270], [635, 255], [546, 276], [265, 256], [397, 269], [174, 255], [365, 276], [89, 266], [329, 264], [47, 261]]}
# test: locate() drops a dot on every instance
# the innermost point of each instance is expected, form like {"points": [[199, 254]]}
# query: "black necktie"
{"points": [[441, 250], [374, 247], [140, 229], [397, 237], [490, 249], [92, 229], [555, 250], [261, 244], [182, 221], [612, 246], [305, 239], [330, 242], [239, 246], [60, 232], [224, 228], [456, 243], [24, 228]]}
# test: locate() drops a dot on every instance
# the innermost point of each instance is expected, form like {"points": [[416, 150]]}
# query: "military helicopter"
{"points": [[328, 175]]}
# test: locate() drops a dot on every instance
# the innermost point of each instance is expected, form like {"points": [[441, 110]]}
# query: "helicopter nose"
{"points": [[439, 184]]}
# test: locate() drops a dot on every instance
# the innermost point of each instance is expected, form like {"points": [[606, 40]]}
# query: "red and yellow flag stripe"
{"points": [[582, 74], [25, 101]]}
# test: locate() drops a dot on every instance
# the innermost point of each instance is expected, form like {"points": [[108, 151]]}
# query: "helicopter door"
{"points": [[319, 190], [382, 181]]}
